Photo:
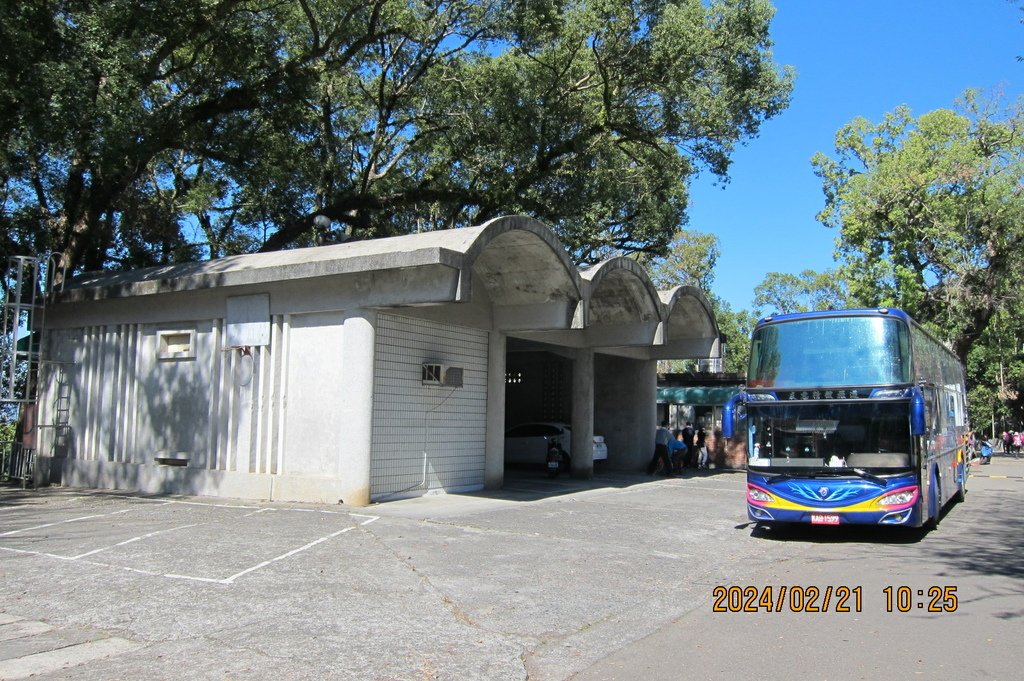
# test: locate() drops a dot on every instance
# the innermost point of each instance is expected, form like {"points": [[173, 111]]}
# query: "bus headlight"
{"points": [[758, 495], [900, 497]]}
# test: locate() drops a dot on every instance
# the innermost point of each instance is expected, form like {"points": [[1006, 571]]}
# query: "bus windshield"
{"points": [[830, 352], [804, 435]]}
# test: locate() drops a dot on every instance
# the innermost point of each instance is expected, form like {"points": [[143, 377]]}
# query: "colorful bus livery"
{"points": [[853, 416]]}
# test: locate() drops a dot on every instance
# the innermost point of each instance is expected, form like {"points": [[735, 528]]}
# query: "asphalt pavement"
{"points": [[546, 579]]}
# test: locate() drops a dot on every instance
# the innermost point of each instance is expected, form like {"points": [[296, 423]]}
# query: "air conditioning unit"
{"points": [[440, 374], [453, 377]]}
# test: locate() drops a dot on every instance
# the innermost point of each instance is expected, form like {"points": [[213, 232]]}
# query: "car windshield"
{"points": [[829, 436]]}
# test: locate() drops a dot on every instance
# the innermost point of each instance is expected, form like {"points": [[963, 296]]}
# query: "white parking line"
{"points": [[230, 580], [184, 502], [366, 520], [130, 541], [63, 522]]}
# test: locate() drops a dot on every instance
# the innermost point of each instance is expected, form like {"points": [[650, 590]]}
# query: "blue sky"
{"points": [[852, 58]]}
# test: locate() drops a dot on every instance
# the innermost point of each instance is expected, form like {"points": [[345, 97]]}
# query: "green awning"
{"points": [[22, 345], [708, 395]]}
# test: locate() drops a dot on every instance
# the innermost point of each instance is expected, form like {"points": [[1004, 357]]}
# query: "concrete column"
{"points": [[626, 408], [583, 414], [647, 408], [494, 448], [357, 360]]}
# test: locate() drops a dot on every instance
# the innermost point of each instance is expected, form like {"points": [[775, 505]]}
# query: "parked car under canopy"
{"points": [[528, 443]]}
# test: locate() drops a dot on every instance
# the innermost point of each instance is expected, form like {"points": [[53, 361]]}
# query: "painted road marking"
{"points": [[130, 541], [230, 580], [364, 519], [63, 522]]}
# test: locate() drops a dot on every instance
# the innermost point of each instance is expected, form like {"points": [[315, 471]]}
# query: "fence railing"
{"points": [[18, 462]]}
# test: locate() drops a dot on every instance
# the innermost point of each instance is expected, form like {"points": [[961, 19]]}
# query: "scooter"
{"points": [[556, 456]]}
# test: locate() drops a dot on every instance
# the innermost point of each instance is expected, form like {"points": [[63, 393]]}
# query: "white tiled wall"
{"points": [[427, 436]]}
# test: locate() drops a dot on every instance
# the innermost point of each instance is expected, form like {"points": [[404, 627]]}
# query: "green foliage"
{"points": [[737, 327], [995, 374], [930, 213], [931, 218], [783, 293], [7, 430], [136, 132], [689, 261]]}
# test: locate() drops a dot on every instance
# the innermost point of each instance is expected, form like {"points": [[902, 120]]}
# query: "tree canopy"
{"points": [[137, 132], [931, 213], [689, 260], [781, 292]]}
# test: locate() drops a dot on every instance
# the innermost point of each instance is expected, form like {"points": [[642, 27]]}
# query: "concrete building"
{"points": [[356, 372]]}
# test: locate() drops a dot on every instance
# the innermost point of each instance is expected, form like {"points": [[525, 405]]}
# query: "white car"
{"points": [[529, 442]]}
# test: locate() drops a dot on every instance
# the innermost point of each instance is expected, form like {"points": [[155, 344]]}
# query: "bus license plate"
{"points": [[824, 518]]}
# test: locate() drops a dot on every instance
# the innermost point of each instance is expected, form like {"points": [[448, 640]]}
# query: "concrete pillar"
{"points": [[583, 414], [647, 407], [357, 360], [494, 448], [626, 409]]}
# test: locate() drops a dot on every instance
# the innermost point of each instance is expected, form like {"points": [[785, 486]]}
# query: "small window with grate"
{"points": [[176, 345]]}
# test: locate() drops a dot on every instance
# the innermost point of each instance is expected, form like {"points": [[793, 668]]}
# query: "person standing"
{"points": [[702, 447], [661, 439], [690, 458]]}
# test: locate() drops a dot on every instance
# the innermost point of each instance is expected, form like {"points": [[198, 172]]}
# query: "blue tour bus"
{"points": [[852, 416]]}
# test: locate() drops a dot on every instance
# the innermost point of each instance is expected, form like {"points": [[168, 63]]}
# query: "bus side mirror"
{"points": [[917, 411], [729, 413]]}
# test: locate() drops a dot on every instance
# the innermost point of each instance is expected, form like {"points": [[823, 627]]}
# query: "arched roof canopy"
{"points": [[521, 261], [620, 292], [690, 329]]}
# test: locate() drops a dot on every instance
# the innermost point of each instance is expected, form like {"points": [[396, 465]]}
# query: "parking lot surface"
{"points": [[542, 578], [546, 579]]}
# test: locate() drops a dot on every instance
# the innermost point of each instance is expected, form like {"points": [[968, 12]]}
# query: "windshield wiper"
{"points": [[869, 477], [782, 477], [817, 473]]}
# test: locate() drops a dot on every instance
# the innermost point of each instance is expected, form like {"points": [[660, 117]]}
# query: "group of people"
{"points": [[677, 450], [1012, 442]]}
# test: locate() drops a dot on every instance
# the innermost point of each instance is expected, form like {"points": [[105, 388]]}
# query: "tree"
{"points": [[782, 293], [136, 132], [995, 373], [690, 260], [736, 326], [931, 213]]}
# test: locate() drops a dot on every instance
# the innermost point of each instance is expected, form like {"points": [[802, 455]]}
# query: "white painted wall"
{"points": [[314, 385], [141, 406], [281, 417], [260, 421]]}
